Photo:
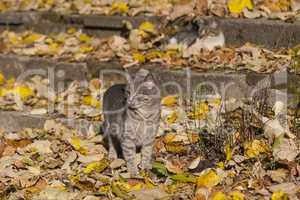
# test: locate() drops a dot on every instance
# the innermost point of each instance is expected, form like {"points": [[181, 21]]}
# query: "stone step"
{"points": [[269, 33], [183, 82], [239, 84], [13, 121]]}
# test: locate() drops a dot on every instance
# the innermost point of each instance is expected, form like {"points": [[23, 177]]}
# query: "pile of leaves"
{"points": [[276, 9], [147, 45]]}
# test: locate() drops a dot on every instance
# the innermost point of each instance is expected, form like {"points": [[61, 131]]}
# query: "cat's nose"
{"points": [[130, 102]]}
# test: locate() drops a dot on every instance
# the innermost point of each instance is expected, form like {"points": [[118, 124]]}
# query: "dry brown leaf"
{"points": [[286, 149], [295, 5], [278, 175], [288, 188], [176, 147], [180, 10], [201, 7], [18, 143], [117, 163], [171, 167]]}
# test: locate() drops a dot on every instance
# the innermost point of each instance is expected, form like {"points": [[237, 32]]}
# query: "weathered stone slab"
{"points": [[184, 81], [16, 121], [269, 33], [23, 67], [115, 22], [19, 18], [13, 121]]}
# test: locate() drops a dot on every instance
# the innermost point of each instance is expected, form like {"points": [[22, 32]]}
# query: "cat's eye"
{"points": [[146, 98], [127, 92], [139, 98]]}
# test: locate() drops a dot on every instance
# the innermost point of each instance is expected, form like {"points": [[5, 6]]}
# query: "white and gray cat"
{"points": [[131, 119]]}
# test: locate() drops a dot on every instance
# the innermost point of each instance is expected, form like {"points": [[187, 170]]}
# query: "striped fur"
{"points": [[132, 114]]}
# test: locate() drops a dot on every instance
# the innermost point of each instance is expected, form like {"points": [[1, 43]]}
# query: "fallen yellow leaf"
{"points": [[31, 38], [255, 148], [215, 102], [91, 101], [236, 195], [221, 165], [279, 196], [147, 27], [24, 92], [85, 49], [50, 2], [77, 144], [48, 40], [13, 38], [71, 30], [121, 7], [139, 57], [124, 186], [219, 196], [62, 37], [149, 184], [137, 187], [237, 6], [104, 189], [11, 81], [88, 1], [119, 191], [228, 152], [171, 118], [200, 111], [84, 38], [169, 101], [2, 79], [209, 179], [53, 48], [74, 178], [98, 166], [154, 54]]}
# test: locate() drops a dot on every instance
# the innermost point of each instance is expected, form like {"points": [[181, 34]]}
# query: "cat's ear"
{"points": [[140, 76], [150, 81], [142, 73]]}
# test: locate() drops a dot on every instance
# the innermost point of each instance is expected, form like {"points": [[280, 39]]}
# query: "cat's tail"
{"points": [[103, 129]]}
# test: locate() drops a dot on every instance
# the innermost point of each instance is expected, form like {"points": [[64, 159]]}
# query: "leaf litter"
{"points": [[193, 160], [274, 9], [196, 157], [147, 45]]}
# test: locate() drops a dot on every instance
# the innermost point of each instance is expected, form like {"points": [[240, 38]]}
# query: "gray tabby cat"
{"points": [[132, 114]]}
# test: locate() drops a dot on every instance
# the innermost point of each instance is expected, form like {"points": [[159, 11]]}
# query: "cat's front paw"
{"points": [[112, 155], [146, 166], [134, 172]]}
